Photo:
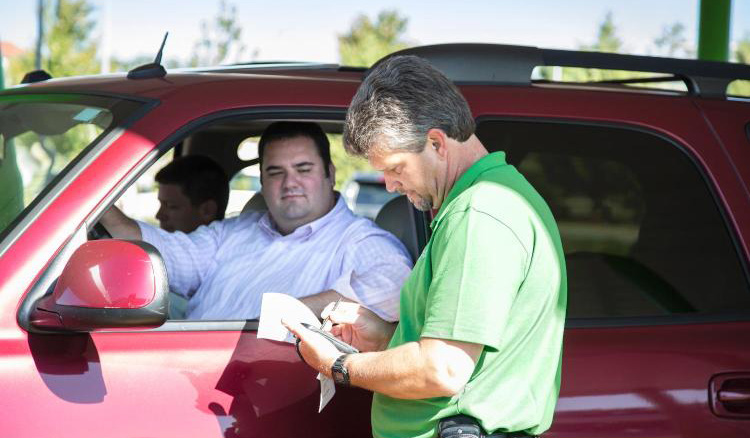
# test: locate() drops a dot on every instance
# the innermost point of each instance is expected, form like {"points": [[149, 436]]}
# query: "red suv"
{"points": [[650, 188]]}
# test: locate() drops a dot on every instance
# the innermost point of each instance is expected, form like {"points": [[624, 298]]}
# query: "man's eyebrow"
{"points": [[304, 163]]}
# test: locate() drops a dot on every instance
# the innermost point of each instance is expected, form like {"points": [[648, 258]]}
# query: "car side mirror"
{"points": [[107, 284]]}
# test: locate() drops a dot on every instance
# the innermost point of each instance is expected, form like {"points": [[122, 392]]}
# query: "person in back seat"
{"points": [[193, 191], [308, 244]]}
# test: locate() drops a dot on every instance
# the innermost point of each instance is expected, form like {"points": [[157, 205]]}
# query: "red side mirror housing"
{"points": [[107, 284]]}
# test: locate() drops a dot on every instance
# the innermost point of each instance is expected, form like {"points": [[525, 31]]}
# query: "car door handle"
{"points": [[730, 395], [734, 396]]}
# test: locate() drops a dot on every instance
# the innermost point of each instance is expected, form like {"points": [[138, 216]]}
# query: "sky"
{"points": [[306, 30]]}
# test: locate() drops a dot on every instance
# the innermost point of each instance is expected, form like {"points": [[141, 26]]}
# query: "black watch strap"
{"points": [[339, 372]]}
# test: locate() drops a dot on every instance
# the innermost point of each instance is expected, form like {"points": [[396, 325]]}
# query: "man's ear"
{"points": [[437, 140], [208, 211]]}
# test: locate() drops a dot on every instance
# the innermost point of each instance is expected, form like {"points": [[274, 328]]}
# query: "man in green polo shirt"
{"points": [[482, 314]]}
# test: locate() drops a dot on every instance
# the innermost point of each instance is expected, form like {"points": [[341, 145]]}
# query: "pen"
{"points": [[328, 318]]}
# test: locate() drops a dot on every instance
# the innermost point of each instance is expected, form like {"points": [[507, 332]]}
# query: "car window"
{"points": [[374, 193], [642, 232], [40, 135]]}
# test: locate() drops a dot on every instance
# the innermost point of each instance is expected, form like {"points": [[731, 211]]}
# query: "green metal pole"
{"points": [[2, 68], [713, 30]]}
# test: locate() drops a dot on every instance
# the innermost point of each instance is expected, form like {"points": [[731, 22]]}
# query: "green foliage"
{"points": [[365, 43], [672, 42], [368, 41], [68, 46], [346, 165], [742, 53], [221, 41], [606, 39]]}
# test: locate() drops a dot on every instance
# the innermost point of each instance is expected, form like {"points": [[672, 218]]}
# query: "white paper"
{"points": [[275, 306], [327, 390]]}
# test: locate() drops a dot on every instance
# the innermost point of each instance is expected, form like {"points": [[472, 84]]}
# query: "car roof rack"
{"points": [[250, 67], [473, 63]]}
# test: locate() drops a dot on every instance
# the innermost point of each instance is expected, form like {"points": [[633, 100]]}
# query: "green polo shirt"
{"points": [[493, 273]]}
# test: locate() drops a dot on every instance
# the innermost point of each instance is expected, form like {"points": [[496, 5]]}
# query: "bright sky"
{"points": [[307, 30]]}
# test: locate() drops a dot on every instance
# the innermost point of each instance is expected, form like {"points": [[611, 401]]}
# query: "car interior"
{"points": [[222, 140]]}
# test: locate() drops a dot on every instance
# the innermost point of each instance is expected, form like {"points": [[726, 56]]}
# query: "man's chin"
{"points": [[420, 203]]}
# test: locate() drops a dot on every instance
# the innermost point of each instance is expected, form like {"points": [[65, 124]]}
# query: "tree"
{"points": [[68, 48], [606, 38], [346, 165], [742, 53], [364, 43], [672, 42], [368, 41], [221, 41], [606, 41]]}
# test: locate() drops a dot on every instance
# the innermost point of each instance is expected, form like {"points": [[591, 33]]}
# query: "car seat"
{"points": [[399, 217]]}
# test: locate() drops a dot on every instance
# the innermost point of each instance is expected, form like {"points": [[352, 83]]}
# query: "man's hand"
{"points": [[316, 350], [359, 327], [119, 225]]}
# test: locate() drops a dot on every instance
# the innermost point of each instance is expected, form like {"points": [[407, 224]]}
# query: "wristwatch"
{"points": [[339, 372]]}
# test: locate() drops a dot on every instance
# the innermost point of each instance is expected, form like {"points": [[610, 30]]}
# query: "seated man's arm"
{"points": [[188, 257], [376, 266], [119, 225]]}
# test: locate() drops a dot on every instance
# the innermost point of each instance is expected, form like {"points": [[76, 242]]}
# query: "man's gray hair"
{"points": [[401, 99]]}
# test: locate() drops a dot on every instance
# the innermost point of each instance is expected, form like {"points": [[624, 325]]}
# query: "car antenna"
{"points": [[153, 69]]}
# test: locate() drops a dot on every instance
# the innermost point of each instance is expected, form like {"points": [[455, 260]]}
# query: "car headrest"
{"points": [[256, 203], [398, 216]]}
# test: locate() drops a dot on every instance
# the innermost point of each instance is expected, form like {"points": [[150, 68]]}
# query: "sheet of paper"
{"points": [[327, 390], [275, 306]]}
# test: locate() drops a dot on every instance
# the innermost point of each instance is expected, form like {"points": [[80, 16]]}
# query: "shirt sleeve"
{"points": [[188, 257], [375, 268], [478, 265]]}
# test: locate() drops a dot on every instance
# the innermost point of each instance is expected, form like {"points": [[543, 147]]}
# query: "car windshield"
{"points": [[39, 137]]}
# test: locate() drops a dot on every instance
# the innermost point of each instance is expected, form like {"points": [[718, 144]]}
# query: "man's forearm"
{"points": [[412, 370], [119, 225]]}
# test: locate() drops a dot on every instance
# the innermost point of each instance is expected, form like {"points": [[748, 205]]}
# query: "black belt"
{"points": [[464, 426]]}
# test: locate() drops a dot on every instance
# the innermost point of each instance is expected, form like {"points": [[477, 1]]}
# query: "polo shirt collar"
{"points": [[469, 177]]}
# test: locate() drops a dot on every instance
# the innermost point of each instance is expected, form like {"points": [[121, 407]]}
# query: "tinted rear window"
{"points": [[642, 233]]}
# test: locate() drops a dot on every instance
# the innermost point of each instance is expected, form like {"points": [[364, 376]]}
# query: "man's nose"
{"points": [[160, 216], [290, 180], [391, 185]]}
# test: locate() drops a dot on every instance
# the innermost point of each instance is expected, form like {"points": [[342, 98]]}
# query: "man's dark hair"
{"points": [[401, 99], [200, 178], [285, 130]]}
